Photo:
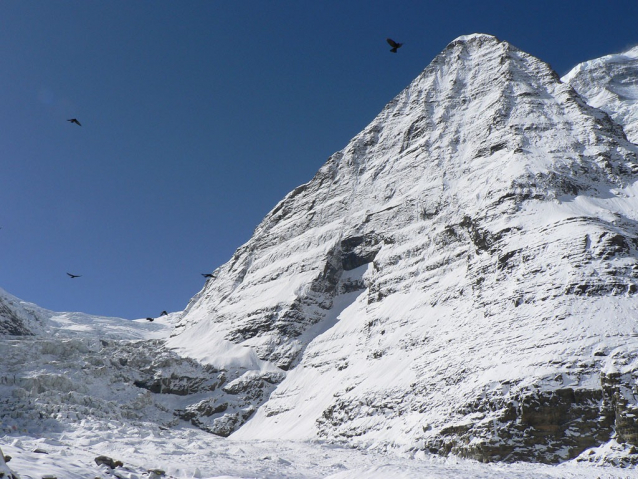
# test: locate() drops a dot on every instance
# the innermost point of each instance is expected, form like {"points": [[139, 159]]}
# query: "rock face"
{"points": [[611, 84], [15, 319], [460, 278]]}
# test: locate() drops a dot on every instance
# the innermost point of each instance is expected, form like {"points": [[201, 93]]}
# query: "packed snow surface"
{"points": [[186, 453]]}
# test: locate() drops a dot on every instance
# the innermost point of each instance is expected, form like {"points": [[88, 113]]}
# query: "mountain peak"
{"points": [[478, 38], [472, 134], [471, 213], [461, 278]]}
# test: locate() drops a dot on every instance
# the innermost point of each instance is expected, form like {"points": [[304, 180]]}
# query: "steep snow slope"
{"points": [[458, 278], [16, 320], [611, 84]]}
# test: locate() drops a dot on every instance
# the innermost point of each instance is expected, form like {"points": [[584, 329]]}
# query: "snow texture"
{"points": [[611, 84]]}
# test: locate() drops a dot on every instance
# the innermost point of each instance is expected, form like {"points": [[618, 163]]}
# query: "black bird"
{"points": [[207, 275], [150, 319], [394, 45], [74, 275], [75, 120], [164, 313]]}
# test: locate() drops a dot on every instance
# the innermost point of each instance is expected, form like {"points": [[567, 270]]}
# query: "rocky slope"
{"points": [[15, 319], [611, 84], [459, 278]]}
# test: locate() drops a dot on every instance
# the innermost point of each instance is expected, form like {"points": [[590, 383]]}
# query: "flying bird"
{"points": [[150, 319], [207, 275], [75, 120], [74, 275], [393, 44], [163, 313]]}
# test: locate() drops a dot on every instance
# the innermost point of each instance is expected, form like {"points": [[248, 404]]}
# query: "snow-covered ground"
{"points": [[191, 453]]}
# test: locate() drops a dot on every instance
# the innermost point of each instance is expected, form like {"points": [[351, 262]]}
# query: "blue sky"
{"points": [[199, 116]]}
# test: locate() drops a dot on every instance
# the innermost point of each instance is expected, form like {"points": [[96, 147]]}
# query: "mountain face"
{"points": [[461, 277], [611, 84]]}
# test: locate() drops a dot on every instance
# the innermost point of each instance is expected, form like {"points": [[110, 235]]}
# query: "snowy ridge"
{"points": [[15, 319], [611, 84], [18, 318]]}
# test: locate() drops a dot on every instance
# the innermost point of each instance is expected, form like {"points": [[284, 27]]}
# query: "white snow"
{"points": [[611, 84], [209, 348], [68, 325], [190, 453]]}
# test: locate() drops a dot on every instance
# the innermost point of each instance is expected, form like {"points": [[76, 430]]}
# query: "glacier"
{"points": [[457, 284]]}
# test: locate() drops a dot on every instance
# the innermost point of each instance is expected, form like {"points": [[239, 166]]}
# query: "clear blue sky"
{"points": [[199, 116]]}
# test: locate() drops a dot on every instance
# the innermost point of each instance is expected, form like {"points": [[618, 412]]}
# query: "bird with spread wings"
{"points": [[394, 45]]}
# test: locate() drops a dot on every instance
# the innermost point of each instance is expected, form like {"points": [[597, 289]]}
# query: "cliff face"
{"points": [[15, 319], [455, 279]]}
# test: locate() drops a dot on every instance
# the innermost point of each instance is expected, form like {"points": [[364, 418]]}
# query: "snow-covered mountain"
{"points": [[460, 278], [611, 84], [15, 320]]}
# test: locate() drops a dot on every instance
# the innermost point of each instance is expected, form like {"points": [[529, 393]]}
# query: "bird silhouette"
{"points": [[74, 275], [150, 319], [393, 44], [163, 313], [75, 120], [207, 275]]}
